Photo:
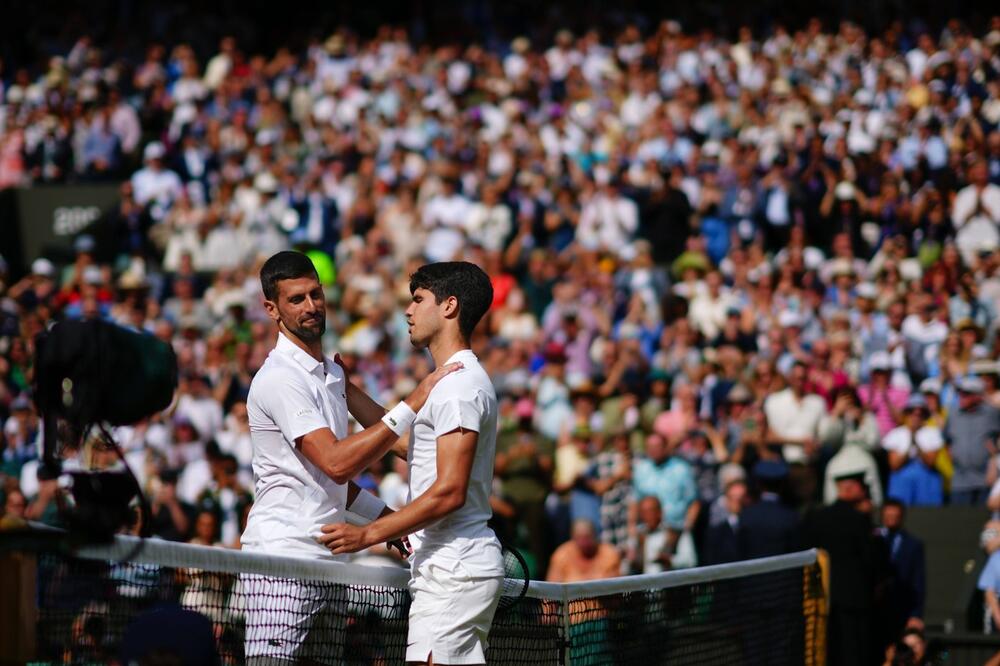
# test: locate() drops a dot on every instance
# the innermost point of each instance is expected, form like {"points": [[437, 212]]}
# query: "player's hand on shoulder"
{"points": [[417, 399]]}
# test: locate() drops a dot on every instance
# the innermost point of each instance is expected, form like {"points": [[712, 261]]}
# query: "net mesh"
{"points": [[762, 612]]}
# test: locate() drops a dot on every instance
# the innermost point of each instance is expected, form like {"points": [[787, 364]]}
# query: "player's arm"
{"points": [[365, 411], [343, 459], [456, 452]]}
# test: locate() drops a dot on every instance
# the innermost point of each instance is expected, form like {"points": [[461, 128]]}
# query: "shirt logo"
{"points": [[303, 412], [392, 421]]}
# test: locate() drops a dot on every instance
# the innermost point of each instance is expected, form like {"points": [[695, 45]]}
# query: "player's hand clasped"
{"points": [[345, 538]]}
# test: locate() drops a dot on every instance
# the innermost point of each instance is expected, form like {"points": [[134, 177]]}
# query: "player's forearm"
{"points": [[343, 459], [429, 508], [365, 411]]}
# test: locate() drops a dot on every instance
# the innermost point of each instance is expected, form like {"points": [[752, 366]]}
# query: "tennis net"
{"points": [[85, 604]]}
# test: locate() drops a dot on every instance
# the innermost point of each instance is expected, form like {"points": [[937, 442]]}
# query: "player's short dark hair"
{"points": [[466, 282], [286, 265]]}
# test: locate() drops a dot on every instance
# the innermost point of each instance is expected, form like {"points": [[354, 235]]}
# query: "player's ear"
{"points": [[450, 306], [271, 308]]}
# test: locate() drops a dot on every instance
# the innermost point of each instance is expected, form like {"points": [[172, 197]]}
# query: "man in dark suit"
{"points": [[768, 527], [904, 595], [722, 540], [845, 532]]}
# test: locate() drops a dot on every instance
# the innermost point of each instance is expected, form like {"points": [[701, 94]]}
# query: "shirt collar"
{"points": [[299, 355], [461, 354]]}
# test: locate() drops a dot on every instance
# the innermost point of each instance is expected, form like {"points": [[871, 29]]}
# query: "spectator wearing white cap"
{"points": [[971, 432], [918, 482], [154, 183], [989, 371], [899, 442]]}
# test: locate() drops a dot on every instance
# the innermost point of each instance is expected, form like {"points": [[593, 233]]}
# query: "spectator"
{"points": [[669, 479], [879, 396], [971, 432], [14, 508], [662, 217], [904, 598], [722, 541], [583, 557], [989, 584], [918, 482], [768, 527], [656, 547], [610, 479], [845, 532], [793, 417]]}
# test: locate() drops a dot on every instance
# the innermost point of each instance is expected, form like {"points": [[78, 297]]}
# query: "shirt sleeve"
{"points": [[292, 406], [458, 411]]}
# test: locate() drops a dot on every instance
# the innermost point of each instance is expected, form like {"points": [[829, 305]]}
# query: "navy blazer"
{"points": [[722, 544], [768, 528], [908, 584]]}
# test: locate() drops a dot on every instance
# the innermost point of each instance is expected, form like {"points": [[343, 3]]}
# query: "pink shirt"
{"points": [[879, 406], [672, 423]]}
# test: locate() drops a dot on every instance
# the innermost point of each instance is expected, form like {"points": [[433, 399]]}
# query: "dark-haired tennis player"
{"points": [[457, 567], [303, 460]]}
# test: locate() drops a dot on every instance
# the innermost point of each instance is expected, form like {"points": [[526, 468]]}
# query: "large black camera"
{"points": [[89, 374]]}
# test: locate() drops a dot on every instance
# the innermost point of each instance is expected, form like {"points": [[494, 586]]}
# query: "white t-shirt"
{"points": [[292, 395], [794, 419], [464, 399]]}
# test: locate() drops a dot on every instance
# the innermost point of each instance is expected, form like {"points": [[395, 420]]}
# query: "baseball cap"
{"points": [[867, 291], [844, 191], [84, 244], [20, 404], [789, 319], [973, 385], [770, 470], [851, 475], [739, 394], [931, 385], [929, 439], [265, 182], [915, 401], [43, 267], [154, 150], [879, 361], [93, 275], [984, 367]]}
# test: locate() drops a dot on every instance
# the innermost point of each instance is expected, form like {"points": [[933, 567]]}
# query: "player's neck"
{"points": [[444, 347], [314, 349]]}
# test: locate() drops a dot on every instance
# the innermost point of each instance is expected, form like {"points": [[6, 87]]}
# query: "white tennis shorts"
{"points": [[451, 614], [290, 620]]}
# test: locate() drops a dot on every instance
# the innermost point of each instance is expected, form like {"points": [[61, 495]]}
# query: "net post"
{"points": [[567, 641], [18, 609]]}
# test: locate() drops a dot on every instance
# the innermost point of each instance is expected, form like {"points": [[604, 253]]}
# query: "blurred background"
{"points": [[745, 258]]}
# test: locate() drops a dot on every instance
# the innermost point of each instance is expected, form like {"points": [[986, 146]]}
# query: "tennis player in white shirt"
{"points": [[457, 565], [303, 462]]}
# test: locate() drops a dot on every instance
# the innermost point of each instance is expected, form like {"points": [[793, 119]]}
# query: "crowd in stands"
{"points": [[725, 268]]}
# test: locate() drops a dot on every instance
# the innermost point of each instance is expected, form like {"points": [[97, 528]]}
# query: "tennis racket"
{"points": [[516, 578]]}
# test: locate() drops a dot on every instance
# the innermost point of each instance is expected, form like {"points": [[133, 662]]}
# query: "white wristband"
{"points": [[399, 418], [367, 505]]}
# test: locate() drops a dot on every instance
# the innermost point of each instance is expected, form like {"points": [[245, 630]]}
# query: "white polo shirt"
{"points": [[292, 395], [464, 399]]}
